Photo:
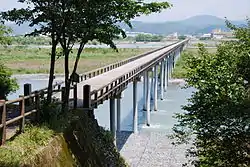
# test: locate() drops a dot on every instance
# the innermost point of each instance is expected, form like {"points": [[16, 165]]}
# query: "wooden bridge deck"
{"points": [[106, 78]]}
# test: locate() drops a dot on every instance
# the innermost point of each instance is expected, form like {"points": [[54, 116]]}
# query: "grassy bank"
{"points": [[72, 139], [23, 60], [180, 70]]}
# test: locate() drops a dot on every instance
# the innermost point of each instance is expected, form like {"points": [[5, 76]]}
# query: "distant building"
{"points": [[134, 34], [173, 36], [206, 35], [219, 34]]}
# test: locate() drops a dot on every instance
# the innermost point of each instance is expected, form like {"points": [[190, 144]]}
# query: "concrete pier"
{"points": [[135, 107], [148, 100], [155, 86], [118, 119], [161, 80], [112, 116]]}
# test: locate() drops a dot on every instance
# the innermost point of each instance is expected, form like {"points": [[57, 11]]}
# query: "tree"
{"points": [[4, 34], [7, 84], [72, 21], [218, 114], [148, 38], [44, 14], [99, 21], [182, 37]]}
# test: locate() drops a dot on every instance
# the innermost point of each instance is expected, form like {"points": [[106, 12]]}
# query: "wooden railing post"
{"points": [[96, 97], [3, 122], [22, 112], [37, 104], [75, 96], [87, 100], [86, 96], [27, 91]]}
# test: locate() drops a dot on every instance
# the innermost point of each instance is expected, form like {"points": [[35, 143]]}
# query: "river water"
{"points": [[162, 119]]}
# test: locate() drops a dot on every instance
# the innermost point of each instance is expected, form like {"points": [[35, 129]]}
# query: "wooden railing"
{"points": [[26, 106], [110, 67]]}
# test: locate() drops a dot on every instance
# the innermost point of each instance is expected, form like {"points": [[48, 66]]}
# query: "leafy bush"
{"points": [[7, 84], [218, 114]]}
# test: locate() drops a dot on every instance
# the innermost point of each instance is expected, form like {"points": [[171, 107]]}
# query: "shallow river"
{"points": [[161, 120]]}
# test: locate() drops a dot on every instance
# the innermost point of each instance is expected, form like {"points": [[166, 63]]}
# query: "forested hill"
{"points": [[193, 25]]}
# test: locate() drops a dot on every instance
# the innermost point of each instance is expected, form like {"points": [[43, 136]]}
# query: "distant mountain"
{"points": [[20, 30], [193, 25]]}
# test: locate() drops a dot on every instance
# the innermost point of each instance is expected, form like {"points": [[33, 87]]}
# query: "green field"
{"points": [[23, 60], [179, 70]]}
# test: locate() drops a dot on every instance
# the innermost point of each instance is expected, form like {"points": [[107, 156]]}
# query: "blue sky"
{"points": [[182, 9]]}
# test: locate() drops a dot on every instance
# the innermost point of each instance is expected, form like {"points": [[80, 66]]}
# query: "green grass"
{"points": [[23, 60], [180, 70], [25, 145]]}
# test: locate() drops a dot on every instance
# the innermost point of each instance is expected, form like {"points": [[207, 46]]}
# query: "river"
{"points": [[160, 120]]}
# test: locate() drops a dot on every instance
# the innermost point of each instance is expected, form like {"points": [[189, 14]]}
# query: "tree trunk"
{"points": [[52, 69], [80, 49], [67, 82]]}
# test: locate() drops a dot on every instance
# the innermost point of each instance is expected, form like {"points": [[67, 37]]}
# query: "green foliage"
{"points": [[23, 147], [4, 32], [29, 40], [205, 38], [148, 38], [218, 114], [182, 37], [180, 70], [7, 84], [70, 21]]}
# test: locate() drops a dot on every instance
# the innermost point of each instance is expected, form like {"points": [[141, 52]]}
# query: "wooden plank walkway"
{"points": [[106, 78]]}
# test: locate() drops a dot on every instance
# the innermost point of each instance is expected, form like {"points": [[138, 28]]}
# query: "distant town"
{"points": [[215, 34]]}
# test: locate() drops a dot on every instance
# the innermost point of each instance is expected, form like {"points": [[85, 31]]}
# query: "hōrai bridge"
{"points": [[106, 83], [109, 85]]}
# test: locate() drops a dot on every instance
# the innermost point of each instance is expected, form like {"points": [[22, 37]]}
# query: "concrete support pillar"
{"points": [[167, 64], [165, 75], [148, 100], [112, 117], [135, 107], [178, 54], [155, 86], [118, 119], [170, 65], [152, 85], [173, 62], [161, 80], [145, 91]]}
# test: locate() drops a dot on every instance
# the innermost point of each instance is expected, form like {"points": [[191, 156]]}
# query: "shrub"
{"points": [[7, 84]]}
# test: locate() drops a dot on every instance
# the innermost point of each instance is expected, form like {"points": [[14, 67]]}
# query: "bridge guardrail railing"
{"points": [[98, 96], [112, 66]]}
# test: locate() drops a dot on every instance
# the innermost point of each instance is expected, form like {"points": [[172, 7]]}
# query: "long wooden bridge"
{"points": [[106, 83]]}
